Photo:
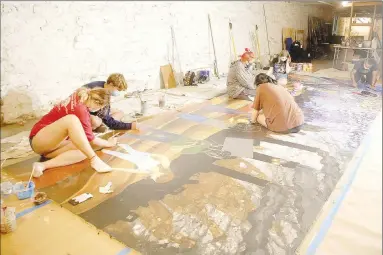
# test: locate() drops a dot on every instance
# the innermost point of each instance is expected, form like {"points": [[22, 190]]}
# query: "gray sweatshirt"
{"points": [[239, 78]]}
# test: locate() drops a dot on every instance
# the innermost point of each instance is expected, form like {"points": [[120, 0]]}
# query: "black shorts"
{"points": [[292, 130], [364, 78]]}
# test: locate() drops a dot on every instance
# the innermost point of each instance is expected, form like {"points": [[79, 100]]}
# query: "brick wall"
{"points": [[50, 48]]}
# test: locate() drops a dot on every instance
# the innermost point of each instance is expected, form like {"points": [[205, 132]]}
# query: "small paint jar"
{"points": [[161, 100], [144, 107]]}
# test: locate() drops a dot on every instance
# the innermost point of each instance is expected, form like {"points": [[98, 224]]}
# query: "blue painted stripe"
{"points": [[192, 117], [29, 210], [218, 108], [124, 251], [330, 217]]}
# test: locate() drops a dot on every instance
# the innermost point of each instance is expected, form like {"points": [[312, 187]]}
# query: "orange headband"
{"points": [[247, 51]]}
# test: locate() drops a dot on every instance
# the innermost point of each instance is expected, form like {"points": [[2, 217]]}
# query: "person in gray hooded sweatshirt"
{"points": [[240, 79]]}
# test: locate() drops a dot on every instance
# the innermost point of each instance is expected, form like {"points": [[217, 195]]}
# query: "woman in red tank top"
{"points": [[64, 135]]}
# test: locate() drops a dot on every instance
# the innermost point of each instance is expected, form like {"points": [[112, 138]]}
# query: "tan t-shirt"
{"points": [[281, 111]]}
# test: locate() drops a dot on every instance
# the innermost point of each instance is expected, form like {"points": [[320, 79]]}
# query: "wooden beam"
{"points": [[370, 36], [361, 24], [349, 27], [356, 4]]}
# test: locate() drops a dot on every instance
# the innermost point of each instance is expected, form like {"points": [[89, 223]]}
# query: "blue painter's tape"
{"points": [[29, 210], [218, 108], [192, 117], [124, 251], [330, 217]]}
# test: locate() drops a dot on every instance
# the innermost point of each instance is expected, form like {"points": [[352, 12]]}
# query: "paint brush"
{"points": [[30, 178], [115, 135]]}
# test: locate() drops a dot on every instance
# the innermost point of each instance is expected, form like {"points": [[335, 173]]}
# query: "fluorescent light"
{"points": [[345, 3]]}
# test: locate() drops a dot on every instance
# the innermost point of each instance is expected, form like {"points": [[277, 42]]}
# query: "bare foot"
{"points": [[38, 169], [99, 165]]}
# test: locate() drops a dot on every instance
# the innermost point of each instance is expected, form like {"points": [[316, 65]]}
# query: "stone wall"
{"points": [[48, 49]]}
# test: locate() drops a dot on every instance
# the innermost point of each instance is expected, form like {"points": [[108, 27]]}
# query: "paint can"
{"points": [[299, 67], [144, 107], [6, 188], [310, 67], [161, 100], [305, 67], [293, 66], [8, 219]]}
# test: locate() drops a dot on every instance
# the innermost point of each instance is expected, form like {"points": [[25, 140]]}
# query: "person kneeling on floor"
{"points": [[107, 117], [280, 113], [365, 72], [240, 79], [64, 135]]}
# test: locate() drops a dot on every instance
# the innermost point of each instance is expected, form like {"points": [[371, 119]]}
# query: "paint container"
{"points": [[299, 67], [305, 67], [6, 188], [24, 190], [161, 100], [293, 66], [144, 106], [310, 67], [8, 219]]}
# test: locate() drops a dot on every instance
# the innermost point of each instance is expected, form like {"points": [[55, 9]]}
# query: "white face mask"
{"points": [[115, 93], [283, 59], [93, 110]]}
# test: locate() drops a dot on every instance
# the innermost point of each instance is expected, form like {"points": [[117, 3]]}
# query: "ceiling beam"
{"points": [[367, 4]]}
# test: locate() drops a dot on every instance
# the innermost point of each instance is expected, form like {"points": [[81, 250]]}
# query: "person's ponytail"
{"points": [[83, 94]]}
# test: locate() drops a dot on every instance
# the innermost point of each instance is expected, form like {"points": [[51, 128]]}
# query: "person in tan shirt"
{"points": [[274, 107]]}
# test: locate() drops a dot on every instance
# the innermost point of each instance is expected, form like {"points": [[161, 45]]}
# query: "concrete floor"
{"points": [[346, 220]]}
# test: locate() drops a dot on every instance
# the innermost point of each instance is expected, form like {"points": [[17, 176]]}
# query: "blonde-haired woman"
{"points": [[64, 135], [281, 68]]}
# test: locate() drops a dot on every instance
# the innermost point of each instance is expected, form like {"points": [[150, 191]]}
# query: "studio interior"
{"points": [[191, 127]]}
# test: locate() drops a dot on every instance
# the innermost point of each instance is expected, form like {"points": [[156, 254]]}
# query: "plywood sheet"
{"points": [[167, 75]]}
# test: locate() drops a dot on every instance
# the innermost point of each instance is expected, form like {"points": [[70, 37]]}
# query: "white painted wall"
{"points": [[48, 49]]}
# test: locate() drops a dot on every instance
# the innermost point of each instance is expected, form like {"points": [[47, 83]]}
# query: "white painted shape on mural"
{"points": [[274, 173], [302, 157], [142, 162], [307, 138]]}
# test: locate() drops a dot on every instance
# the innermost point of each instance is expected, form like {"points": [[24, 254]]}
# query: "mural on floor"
{"points": [[205, 181]]}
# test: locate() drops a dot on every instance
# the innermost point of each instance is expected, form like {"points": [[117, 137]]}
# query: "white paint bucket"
{"points": [[144, 107]]}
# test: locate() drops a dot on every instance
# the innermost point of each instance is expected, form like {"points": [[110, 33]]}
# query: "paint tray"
{"points": [[23, 192]]}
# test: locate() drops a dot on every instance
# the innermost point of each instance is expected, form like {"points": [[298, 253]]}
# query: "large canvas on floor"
{"points": [[198, 198]]}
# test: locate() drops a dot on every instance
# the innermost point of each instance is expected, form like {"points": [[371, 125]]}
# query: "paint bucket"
{"points": [[8, 219], [310, 67], [24, 190], [161, 100], [305, 67], [6, 188], [144, 107], [299, 67], [293, 66]]}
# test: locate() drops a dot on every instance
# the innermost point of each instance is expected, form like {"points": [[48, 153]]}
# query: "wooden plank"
{"points": [[358, 4], [361, 24], [349, 27], [287, 33], [167, 75], [373, 25]]}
